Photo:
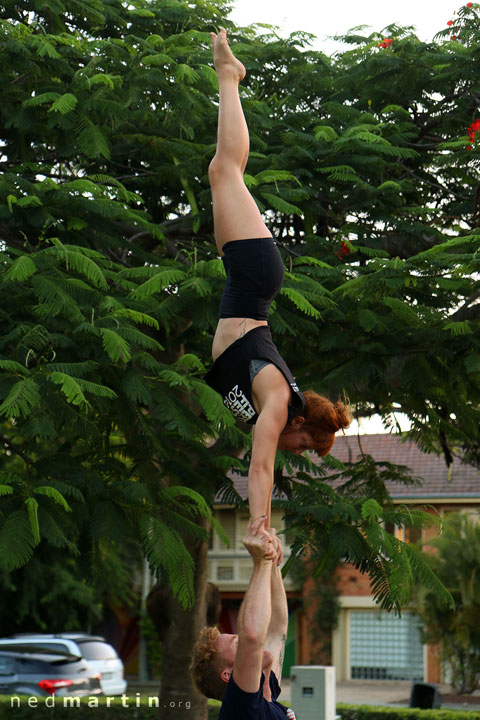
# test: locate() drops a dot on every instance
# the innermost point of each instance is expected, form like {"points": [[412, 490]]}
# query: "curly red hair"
{"points": [[323, 419], [206, 664]]}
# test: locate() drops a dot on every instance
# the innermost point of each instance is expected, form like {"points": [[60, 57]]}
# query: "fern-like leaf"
{"points": [[70, 388], [64, 104], [21, 269], [16, 540], [32, 510], [23, 396], [300, 302], [115, 346], [54, 494]]}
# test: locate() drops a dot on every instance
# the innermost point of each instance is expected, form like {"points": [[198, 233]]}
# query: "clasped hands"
{"points": [[263, 544]]}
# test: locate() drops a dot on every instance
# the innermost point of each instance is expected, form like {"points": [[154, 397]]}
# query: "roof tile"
{"points": [[463, 481]]}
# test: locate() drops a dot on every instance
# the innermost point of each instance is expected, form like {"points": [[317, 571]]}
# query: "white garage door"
{"points": [[385, 647]]}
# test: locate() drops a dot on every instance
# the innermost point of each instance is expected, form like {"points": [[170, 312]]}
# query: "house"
{"points": [[368, 643]]}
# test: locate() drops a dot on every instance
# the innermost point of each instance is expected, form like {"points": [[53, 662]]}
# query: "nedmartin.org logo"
{"points": [[94, 701]]}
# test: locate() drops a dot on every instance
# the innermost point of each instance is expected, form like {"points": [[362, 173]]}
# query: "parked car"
{"points": [[46, 673], [101, 656]]}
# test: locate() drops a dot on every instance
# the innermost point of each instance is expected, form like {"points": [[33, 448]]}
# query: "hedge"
{"points": [[139, 710], [379, 712]]}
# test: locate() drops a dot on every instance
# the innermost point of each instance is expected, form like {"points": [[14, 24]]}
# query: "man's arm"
{"points": [[277, 630], [255, 613]]}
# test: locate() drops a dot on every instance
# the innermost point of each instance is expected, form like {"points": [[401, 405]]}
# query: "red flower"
{"points": [[469, 4], [452, 37], [476, 125], [450, 22], [344, 250], [469, 147]]}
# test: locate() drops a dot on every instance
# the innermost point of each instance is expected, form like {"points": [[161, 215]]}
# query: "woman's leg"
{"points": [[235, 213]]}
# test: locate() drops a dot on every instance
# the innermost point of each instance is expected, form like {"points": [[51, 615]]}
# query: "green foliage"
{"points": [[456, 562], [320, 598], [83, 707], [109, 277], [55, 590], [348, 524], [154, 645], [103, 711], [369, 712]]}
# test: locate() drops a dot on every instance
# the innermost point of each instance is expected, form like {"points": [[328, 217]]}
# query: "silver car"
{"points": [[99, 655], [47, 673]]}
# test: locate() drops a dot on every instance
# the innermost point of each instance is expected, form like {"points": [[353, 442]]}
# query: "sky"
{"points": [[326, 19]]}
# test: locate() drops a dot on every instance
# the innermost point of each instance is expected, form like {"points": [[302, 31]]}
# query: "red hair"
{"points": [[206, 665], [323, 419]]}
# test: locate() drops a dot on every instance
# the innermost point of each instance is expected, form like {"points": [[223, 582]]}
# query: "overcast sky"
{"points": [[325, 19]]}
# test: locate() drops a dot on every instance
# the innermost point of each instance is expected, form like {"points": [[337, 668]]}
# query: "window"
{"points": [[234, 525], [409, 535], [225, 572], [6, 666], [385, 647], [36, 647], [92, 650], [30, 665], [226, 518]]}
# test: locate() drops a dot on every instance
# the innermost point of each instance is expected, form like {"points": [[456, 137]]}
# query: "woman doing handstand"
{"points": [[254, 381]]}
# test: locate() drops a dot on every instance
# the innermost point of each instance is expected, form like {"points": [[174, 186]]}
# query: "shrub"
{"points": [[378, 712]]}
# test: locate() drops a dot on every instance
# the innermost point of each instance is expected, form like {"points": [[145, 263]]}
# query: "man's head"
{"points": [[212, 661]]}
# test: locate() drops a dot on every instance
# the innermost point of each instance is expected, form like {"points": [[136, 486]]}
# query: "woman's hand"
{"points": [[258, 540], [277, 546]]}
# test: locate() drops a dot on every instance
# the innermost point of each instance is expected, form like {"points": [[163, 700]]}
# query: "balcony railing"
{"points": [[231, 569]]}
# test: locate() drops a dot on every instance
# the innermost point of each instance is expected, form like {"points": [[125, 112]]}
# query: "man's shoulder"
{"points": [[240, 705]]}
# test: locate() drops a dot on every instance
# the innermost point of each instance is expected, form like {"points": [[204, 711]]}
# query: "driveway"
{"points": [[361, 692]]}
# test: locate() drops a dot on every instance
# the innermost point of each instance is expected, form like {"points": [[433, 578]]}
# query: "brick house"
{"points": [[368, 643]]}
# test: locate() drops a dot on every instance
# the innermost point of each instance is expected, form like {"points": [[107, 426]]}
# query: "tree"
{"points": [[455, 559], [89, 393], [103, 411], [110, 282]]}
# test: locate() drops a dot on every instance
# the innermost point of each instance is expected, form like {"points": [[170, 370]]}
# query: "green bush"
{"points": [[213, 711], [103, 709], [106, 711], [369, 712]]}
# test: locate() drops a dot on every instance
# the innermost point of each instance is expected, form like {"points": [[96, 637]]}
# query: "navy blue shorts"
{"points": [[255, 274]]}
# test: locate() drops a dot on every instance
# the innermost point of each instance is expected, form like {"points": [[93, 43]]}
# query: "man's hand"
{"points": [[277, 546], [258, 540]]}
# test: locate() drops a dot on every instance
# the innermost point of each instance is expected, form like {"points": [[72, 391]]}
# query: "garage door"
{"points": [[385, 647]]}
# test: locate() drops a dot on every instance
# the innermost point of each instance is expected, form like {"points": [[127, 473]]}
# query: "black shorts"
{"points": [[255, 274]]}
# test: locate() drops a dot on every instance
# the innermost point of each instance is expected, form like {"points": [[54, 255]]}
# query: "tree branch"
{"points": [[465, 312], [28, 461]]}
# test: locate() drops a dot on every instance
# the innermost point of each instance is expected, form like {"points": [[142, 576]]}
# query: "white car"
{"points": [[100, 656]]}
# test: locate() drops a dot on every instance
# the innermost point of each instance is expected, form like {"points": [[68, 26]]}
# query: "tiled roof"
{"points": [[462, 482]]}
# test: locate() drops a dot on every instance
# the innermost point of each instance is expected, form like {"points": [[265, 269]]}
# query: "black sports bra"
{"points": [[230, 374]]}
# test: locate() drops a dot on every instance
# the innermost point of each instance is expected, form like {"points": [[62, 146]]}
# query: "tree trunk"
{"points": [[178, 630]]}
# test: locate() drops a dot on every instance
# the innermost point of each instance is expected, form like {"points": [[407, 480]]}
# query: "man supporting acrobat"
{"points": [[243, 670]]}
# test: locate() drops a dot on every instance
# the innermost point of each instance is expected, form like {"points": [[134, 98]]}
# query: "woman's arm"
{"points": [[271, 421]]}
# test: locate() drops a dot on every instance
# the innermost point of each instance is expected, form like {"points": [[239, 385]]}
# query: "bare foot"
{"points": [[224, 61]]}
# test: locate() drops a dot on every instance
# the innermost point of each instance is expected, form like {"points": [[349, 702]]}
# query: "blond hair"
{"points": [[206, 665]]}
